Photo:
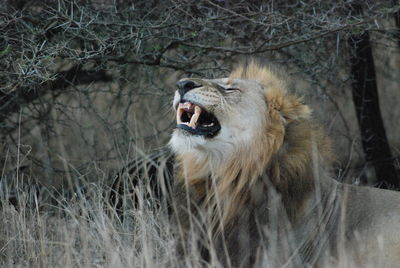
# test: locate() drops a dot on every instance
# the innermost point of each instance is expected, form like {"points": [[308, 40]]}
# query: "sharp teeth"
{"points": [[195, 117], [186, 105], [179, 113]]}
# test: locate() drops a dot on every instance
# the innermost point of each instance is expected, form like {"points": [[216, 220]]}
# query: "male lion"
{"points": [[252, 181]]}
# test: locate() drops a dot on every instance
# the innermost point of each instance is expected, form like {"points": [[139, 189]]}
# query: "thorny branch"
{"points": [[58, 46]]}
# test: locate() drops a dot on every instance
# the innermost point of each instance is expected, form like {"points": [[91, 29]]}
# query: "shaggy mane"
{"points": [[286, 151]]}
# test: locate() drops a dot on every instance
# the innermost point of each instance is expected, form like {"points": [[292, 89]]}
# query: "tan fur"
{"points": [[287, 153]]}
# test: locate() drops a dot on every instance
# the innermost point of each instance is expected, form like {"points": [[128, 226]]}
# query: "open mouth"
{"points": [[196, 120]]}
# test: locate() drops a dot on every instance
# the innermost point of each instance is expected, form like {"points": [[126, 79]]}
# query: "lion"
{"points": [[253, 183]]}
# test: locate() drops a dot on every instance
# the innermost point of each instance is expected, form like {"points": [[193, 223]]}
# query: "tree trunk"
{"points": [[366, 101], [397, 21]]}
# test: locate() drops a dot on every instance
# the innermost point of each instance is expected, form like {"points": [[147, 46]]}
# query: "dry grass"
{"points": [[79, 228]]}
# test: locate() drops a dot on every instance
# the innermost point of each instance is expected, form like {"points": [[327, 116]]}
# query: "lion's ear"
{"points": [[290, 108]]}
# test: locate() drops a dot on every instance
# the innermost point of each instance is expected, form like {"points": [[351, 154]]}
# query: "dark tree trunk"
{"points": [[397, 21], [366, 101]]}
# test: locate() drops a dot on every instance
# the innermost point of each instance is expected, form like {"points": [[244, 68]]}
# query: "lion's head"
{"points": [[220, 118], [239, 128]]}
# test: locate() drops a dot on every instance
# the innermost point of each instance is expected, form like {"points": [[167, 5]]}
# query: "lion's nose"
{"points": [[186, 85]]}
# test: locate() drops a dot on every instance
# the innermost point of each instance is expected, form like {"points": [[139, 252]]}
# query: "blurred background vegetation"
{"points": [[87, 85]]}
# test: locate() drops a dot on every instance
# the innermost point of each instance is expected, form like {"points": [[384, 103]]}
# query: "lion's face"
{"points": [[217, 115]]}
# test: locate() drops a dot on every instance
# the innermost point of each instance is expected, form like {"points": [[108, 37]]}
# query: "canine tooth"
{"points": [[197, 110], [193, 121], [195, 116], [179, 113]]}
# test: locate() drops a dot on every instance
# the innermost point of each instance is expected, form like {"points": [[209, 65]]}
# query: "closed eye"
{"points": [[232, 89], [226, 89]]}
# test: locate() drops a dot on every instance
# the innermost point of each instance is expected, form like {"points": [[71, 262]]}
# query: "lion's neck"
{"points": [[291, 169]]}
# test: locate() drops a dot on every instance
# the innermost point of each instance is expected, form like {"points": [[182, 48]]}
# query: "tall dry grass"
{"points": [[45, 227], [49, 228]]}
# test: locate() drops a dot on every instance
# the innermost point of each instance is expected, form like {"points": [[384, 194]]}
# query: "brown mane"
{"points": [[286, 152]]}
